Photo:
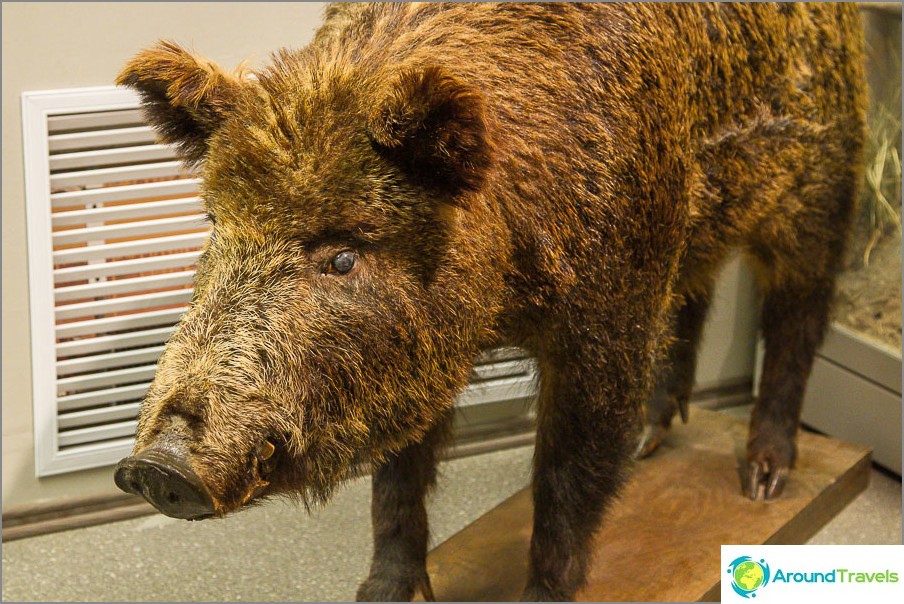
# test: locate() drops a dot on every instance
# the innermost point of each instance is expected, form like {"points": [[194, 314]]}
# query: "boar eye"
{"points": [[343, 262]]}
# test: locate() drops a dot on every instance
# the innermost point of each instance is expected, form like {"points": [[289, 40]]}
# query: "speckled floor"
{"points": [[278, 553], [275, 552]]}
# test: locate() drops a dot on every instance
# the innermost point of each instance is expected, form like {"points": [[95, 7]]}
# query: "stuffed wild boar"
{"points": [[424, 181]]}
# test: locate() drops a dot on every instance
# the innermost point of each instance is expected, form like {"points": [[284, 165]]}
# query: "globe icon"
{"points": [[748, 575]]}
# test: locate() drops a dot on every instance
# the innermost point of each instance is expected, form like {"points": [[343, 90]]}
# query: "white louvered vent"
{"points": [[499, 375], [114, 229]]}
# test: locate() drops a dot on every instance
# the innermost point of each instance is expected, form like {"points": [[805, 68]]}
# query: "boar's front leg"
{"points": [[583, 448], [677, 373], [399, 517]]}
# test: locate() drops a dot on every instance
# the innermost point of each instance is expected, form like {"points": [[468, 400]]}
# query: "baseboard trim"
{"points": [[39, 519], [122, 511]]}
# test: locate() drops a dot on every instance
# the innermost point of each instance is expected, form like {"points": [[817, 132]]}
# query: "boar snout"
{"points": [[167, 482]]}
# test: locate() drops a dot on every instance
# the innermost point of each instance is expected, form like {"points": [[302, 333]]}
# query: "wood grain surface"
{"points": [[661, 540]]}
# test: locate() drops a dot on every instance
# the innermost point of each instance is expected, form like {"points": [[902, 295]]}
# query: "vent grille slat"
{"points": [[126, 267], [80, 436], [495, 355], [122, 323], [137, 135], [152, 190], [102, 176], [502, 369], [110, 157], [129, 229], [117, 377], [121, 286], [104, 415], [130, 248], [497, 390], [84, 400], [94, 120], [123, 304], [111, 360], [122, 341], [124, 212]]}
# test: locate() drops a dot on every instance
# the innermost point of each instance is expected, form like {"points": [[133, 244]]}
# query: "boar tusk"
{"points": [[256, 490], [266, 450]]}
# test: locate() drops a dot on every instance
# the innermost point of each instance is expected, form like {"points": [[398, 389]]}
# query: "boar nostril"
{"points": [[166, 482]]}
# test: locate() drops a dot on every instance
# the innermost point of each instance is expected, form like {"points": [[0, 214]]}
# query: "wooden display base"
{"points": [[661, 540]]}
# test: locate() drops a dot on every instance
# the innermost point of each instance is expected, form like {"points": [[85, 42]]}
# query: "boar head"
{"points": [[354, 269]]}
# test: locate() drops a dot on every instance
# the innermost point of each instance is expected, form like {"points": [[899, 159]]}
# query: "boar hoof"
{"points": [[769, 460], [393, 588], [759, 475]]}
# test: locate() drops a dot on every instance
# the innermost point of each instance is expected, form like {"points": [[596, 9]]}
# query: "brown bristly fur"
{"points": [[566, 178]]}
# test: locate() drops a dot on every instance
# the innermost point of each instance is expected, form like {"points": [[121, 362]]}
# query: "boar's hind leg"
{"points": [[399, 517], [676, 377], [581, 455], [794, 319], [797, 275]]}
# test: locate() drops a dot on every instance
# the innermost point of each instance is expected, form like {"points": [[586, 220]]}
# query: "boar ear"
{"points": [[435, 127], [186, 98]]}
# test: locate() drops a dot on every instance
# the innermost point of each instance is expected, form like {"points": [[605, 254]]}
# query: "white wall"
{"points": [[729, 337], [62, 45]]}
